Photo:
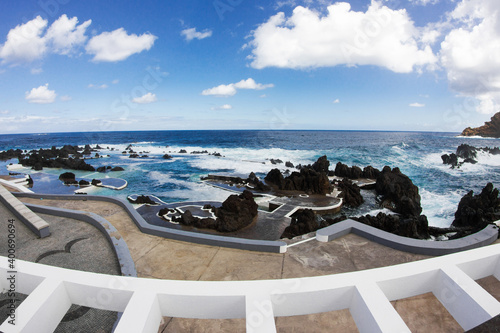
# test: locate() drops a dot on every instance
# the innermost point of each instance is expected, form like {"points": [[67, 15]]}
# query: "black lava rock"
{"points": [[399, 193], [476, 211]]}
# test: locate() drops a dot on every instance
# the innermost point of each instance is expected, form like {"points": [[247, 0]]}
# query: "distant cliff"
{"points": [[490, 129]]}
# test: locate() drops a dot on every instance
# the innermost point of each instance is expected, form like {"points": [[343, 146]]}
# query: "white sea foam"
{"points": [[162, 178], [243, 161], [440, 208], [375, 212], [190, 190], [236, 167], [485, 158], [486, 162]]}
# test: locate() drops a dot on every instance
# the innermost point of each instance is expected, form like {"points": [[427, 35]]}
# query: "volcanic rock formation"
{"points": [[490, 129]]}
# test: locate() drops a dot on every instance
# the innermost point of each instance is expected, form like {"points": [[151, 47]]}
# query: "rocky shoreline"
{"points": [[395, 192]]}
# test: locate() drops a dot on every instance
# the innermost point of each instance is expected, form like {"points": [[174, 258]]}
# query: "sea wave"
{"points": [[440, 208]]}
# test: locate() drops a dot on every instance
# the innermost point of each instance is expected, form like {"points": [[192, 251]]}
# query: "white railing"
{"points": [[367, 295]]}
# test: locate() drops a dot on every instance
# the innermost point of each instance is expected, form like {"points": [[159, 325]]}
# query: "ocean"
{"points": [[417, 154]]}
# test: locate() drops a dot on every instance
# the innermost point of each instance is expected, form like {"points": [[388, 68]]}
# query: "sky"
{"points": [[409, 65]]}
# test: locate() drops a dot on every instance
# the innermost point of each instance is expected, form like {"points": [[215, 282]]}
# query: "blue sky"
{"points": [[421, 65]]}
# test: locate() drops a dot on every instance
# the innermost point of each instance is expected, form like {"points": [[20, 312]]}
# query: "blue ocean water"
{"points": [[417, 154]]}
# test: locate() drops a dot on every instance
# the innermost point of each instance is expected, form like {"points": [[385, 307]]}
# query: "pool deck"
{"points": [[161, 258]]}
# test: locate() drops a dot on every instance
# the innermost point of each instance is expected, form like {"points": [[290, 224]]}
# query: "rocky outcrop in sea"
{"points": [[11, 153], [351, 193], [476, 211], [490, 129], [355, 172], [311, 179], [67, 157], [68, 178], [398, 192], [466, 154]]}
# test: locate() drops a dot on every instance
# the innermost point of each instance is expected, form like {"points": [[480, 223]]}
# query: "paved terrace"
{"points": [[161, 258]]}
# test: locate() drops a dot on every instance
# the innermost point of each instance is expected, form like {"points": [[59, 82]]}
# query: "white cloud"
{"points": [[97, 86], [417, 105], [116, 81], [191, 34], [41, 95], [251, 84], [307, 39], [117, 45], [226, 90], [66, 98], [470, 51], [65, 34], [337, 101], [223, 107], [145, 99], [25, 42], [36, 71]]}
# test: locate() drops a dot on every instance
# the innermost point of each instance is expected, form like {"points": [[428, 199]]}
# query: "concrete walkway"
{"points": [[161, 258]]}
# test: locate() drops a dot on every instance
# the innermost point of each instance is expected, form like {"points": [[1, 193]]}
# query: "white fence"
{"points": [[367, 295]]}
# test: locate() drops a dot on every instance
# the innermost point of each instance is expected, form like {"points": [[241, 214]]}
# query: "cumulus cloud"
{"points": [[337, 101], [41, 95], [308, 39], [417, 105], [469, 52], [33, 40], [145, 99], [191, 34], [223, 107], [65, 34], [226, 90], [118, 45], [25, 42]]}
